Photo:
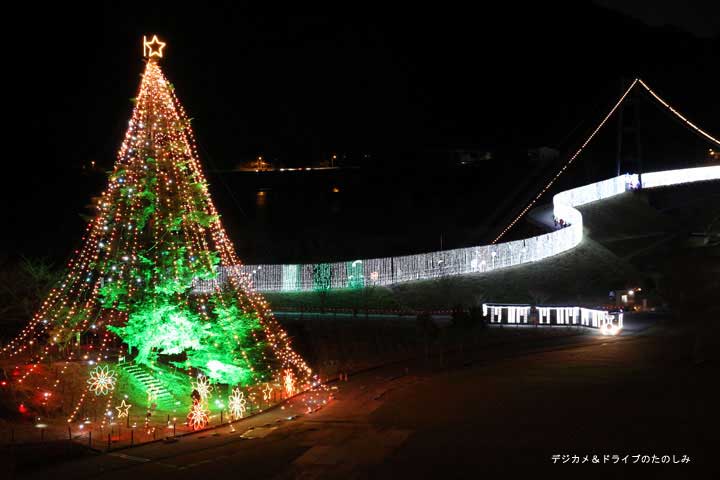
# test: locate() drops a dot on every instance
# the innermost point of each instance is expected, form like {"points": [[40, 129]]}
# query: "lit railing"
{"points": [[471, 260], [609, 323]]}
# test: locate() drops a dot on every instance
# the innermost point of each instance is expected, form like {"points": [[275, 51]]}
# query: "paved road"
{"points": [[502, 411]]}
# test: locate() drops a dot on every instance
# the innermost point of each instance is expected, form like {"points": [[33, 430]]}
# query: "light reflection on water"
{"points": [[312, 216], [261, 198]]}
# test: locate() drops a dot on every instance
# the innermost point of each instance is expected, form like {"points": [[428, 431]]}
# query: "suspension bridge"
{"points": [[388, 271]]}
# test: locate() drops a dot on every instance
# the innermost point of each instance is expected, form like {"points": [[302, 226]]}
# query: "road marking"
{"points": [[129, 457], [258, 432]]}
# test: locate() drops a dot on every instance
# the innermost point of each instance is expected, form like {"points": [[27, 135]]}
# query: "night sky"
{"points": [[298, 87]]}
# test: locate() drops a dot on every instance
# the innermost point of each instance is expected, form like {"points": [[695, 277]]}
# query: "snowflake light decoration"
{"points": [[203, 386], [237, 403], [198, 417], [102, 380]]}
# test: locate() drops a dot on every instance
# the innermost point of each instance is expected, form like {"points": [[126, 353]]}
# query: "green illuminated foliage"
{"points": [[224, 348], [155, 236], [202, 218], [162, 329], [113, 294]]}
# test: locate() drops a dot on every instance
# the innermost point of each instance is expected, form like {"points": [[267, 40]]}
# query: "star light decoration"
{"points": [[198, 416], [237, 403], [148, 50], [203, 386], [123, 409], [267, 392], [102, 380], [158, 149]]}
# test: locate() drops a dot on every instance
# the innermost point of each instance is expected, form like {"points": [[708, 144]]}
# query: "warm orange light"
{"points": [[156, 107], [148, 50]]}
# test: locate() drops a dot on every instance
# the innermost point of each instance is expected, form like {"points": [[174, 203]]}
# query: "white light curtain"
{"points": [[391, 270]]}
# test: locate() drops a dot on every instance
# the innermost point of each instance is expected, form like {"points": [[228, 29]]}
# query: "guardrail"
{"points": [[392, 270]]}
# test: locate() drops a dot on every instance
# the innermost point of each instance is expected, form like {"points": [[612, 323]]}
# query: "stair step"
{"points": [[153, 385]]}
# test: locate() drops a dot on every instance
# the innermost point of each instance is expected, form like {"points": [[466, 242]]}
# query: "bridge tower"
{"points": [[629, 147]]}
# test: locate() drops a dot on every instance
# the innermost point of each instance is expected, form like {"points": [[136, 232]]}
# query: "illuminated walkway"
{"points": [[393, 270]]}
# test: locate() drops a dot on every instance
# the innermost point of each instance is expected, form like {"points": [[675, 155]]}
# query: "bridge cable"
{"points": [[590, 137], [567, 164], [678, 114]]}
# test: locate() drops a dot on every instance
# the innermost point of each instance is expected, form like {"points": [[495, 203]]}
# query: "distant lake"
{"points": [[295, 217], [289, 217]]}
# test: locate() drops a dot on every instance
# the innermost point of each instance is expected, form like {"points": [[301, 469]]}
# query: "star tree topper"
{"points": [[149, 51]]}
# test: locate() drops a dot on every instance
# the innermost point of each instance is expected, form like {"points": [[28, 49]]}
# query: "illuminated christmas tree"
{"points": [[128, 309]]}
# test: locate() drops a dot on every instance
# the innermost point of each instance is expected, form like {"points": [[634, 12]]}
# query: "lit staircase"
{"points": [[163, 398]]}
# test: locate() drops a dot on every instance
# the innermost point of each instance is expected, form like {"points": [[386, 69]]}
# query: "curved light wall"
{"points": [[392, 270]]}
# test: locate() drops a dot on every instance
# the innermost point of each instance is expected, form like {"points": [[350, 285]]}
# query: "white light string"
{"points": [[461, 261], [608, 323], [567, 164], [582, 147], [678, 114], [391, 270]]}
